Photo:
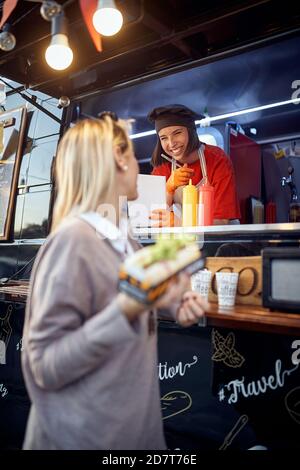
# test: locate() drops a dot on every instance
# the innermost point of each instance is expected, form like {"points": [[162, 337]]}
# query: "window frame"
{"points": [[12, 185]]}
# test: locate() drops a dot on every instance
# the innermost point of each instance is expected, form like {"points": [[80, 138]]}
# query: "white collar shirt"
{"points": [[117, 237]]}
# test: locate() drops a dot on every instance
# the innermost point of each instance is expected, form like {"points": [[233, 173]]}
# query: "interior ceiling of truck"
{"points": [[156, 36], [254, 78]]}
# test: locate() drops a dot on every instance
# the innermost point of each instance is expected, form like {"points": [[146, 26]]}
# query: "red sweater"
{"points": [[220, 175]]}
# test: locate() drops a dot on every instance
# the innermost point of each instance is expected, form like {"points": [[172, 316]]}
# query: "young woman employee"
{"points": [[178, 139]]}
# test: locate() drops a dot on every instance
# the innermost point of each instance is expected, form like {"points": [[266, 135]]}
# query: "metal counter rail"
{"points": [[220, 229]]}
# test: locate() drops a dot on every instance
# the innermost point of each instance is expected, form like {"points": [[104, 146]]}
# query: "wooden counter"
{"points": [[253, 317], [244, 317], [14, 291]]}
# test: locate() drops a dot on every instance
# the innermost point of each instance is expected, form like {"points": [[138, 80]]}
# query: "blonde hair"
{"points": [[85, 167]]}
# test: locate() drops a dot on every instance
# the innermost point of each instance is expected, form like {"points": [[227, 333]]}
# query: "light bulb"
{"points": [[59, 55], [7, 41], [107, 21], [63, 102]]}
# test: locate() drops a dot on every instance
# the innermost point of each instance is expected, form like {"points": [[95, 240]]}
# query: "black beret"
{"points": [[173, 115]]}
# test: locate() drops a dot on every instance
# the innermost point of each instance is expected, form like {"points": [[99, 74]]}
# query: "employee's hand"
{"points": [[179, 177], [164, 217], [193, 307]]}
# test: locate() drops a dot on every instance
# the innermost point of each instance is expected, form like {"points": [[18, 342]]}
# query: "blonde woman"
{"points": [[89, 359]]}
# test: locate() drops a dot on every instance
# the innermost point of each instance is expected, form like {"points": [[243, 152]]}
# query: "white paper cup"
{"points": [[201, 282], [227, 286]]}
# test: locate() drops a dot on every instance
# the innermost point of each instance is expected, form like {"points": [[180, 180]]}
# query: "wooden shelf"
{"points": [[253, 317], [244, 317], [14, 291]]}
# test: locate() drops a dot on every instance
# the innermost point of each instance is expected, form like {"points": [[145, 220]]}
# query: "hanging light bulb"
{"points": [[59, 55], [7, 39], [107, 19]]}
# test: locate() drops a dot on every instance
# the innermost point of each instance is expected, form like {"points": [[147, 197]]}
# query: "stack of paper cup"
{"points": [[227, 286], [201, 282]]}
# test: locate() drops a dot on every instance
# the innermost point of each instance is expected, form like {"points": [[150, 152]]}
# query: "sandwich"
{"points": [[146, 274]]}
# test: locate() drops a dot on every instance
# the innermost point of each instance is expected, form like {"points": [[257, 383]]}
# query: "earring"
{"points": [[125, 167]]}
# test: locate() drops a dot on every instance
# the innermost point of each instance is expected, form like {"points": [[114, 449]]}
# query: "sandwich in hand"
{"points": [[145, 275]]}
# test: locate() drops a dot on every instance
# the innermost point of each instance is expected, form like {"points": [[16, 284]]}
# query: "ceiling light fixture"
{"points": [[49, 9], [107, 19], [7, 39], [207, 120], [63, 102], [59, 55]]}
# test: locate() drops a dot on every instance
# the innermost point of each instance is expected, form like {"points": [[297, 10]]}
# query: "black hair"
{"points": [[194, 144]]}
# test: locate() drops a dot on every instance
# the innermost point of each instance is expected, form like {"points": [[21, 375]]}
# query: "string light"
{"points": [[107, 19], [59, 55], [7, 39]]}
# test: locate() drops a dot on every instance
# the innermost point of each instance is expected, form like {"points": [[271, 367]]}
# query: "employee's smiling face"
{"points": [[174, 141]]}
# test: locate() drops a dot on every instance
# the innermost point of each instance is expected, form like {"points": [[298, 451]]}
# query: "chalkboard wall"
{"points": [[228, 389], [220, 389], [14, 401]]}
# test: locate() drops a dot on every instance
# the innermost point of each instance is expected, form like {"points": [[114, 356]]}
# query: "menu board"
{"points": [[12, 131]]}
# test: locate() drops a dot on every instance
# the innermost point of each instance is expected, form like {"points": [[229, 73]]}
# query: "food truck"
{"points": [[233, 381]]}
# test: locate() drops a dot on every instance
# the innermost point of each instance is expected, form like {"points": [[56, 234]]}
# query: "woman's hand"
{"points": [[130, 307], [179, 177], [174, 293], [192, 308]]}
